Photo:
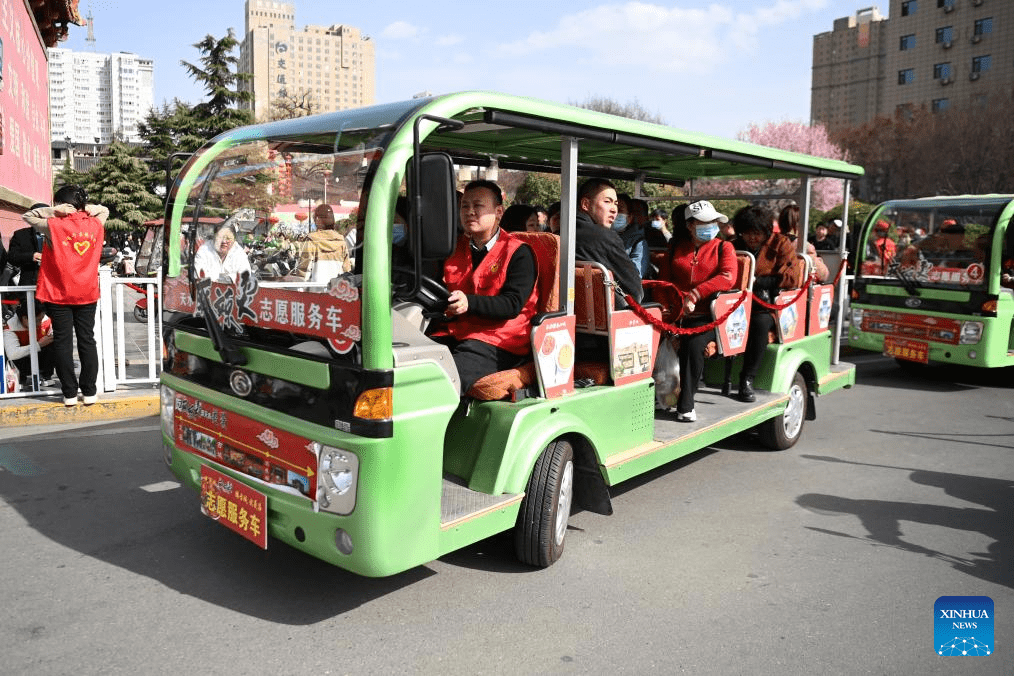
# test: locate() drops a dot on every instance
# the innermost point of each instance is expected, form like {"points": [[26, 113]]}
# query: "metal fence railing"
{"points": [[129, 344]]}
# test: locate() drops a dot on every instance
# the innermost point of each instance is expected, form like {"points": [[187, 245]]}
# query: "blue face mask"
{"points": [[621, 222], [657, 225], [706, 232], [399, 235]]}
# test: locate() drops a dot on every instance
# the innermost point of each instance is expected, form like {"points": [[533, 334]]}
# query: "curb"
{"points": [[39, 412]]}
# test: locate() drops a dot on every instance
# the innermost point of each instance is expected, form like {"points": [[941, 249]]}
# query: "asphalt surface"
{"points": [[826, 558]]}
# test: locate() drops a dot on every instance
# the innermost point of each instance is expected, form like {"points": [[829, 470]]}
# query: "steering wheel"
{"points": [[432, 294]]}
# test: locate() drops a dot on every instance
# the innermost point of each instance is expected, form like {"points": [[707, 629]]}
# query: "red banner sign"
{"points": [[235, 505], [245, 445], [334, 314]]}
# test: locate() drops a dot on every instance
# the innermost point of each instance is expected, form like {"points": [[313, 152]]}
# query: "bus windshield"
{"points": [[932, 243]]}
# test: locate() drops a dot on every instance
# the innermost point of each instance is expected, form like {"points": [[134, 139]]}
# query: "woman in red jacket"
{"points": [[699, 264]]}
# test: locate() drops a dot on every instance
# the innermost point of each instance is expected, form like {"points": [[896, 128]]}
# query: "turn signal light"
{"points": [[375, 404], [989, 306]]}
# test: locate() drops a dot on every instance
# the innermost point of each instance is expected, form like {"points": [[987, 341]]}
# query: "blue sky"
{"points": [[710, 67]]}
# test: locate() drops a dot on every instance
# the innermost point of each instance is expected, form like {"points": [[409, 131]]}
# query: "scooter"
{"points": [[141, 306]]}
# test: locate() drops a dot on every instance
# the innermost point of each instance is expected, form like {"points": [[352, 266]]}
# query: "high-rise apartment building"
{"points": [[932, 53], [95, 99], [333, 68]]}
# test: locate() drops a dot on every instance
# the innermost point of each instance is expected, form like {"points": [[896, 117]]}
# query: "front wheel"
{"points": [[542, 522], [140, 314], [784, 430]]}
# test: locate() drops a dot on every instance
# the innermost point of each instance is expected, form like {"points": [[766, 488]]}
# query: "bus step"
{"points": [[460, 503]]}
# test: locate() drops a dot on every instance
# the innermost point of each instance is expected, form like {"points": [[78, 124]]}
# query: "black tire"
{"points": [[911, 367], [542, 522], [140, 314], [784, 430]]}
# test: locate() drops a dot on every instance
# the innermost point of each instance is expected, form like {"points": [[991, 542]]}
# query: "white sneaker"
{"points": [[70, 401], [689, 416], [90, 399]]}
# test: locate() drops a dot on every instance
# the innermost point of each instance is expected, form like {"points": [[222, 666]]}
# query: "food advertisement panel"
{"points": [[554, 357], [633, 346]]}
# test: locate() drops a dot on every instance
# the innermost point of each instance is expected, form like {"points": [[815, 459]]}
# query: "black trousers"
{"points": [[476, 359], [761, 323], [46, 365], [70, 321], [691, 358]]}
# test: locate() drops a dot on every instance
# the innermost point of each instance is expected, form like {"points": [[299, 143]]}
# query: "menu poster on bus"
{"points": [[791, 322], [820, 308], [732, 332], [245, 445], [554, 359], [333, 315], [633, 346]]}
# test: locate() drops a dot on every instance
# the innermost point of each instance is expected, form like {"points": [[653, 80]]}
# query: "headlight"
{"points": [[337, 477], [857, 317], [971, 333]]}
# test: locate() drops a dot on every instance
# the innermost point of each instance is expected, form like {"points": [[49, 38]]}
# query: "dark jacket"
{"points": [[24, 244], [599, 244]]}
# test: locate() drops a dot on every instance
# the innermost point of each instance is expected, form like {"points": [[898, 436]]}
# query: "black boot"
{"points": [[746, 390], [727, 383]]}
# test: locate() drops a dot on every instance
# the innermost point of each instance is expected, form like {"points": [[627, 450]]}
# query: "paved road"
{"points": [[826, 558]]}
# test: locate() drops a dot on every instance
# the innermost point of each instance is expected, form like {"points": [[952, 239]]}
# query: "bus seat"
{"points": [[592, 302], [731, 334], [790, 322], [517, 383]]}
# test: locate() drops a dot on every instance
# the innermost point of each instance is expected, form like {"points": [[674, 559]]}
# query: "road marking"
{"points": [[160, 486], [18, 463]]}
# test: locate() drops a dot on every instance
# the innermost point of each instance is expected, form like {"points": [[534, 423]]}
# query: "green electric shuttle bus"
{"points": [[316, 411], [933, 281]]}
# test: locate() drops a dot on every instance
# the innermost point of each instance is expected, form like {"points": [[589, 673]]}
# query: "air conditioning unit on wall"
{"points": [[974, 75], [946, 81], [976, 3], [947, 45], [948, 8], [976, 38]]}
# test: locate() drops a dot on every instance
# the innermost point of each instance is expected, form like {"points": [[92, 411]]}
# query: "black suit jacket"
{"points": [[23, 246]]}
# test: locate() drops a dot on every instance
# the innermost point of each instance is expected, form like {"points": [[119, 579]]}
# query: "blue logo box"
{"points": [[963, 626]]}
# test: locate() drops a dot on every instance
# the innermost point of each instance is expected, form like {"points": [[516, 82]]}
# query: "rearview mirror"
{"points": [[434, 206]]}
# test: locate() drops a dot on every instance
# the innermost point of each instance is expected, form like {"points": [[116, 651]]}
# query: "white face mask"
{"points": [[706, 232], [657, 225]]}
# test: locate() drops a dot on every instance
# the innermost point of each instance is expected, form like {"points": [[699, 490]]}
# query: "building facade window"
{"points": [[981, 64], [945, 4], [941, 70], [907, 42], [983, 26], [940, 104], [945, 34], [906, 76], [909, 7]]}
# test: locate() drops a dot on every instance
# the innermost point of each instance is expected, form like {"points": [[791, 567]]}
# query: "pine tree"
{"points": [[119, 181]]}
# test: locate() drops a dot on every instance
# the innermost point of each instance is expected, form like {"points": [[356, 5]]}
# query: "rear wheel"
{"points": [[542, 522], [784, 430]]}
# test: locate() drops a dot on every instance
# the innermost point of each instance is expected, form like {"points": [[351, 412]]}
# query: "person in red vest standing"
{"points": [[491, 277], [69, 284]]}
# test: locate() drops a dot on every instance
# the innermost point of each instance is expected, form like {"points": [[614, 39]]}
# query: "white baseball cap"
{"points": [[705, 212]]}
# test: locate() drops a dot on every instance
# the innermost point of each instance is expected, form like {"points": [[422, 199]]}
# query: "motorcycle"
{"points": [[141, 306]]}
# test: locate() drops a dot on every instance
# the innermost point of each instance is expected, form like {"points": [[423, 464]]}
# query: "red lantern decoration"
{"points": [[300, 216]]}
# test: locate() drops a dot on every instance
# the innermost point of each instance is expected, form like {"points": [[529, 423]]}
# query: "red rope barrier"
{"points": [[663, 327]]}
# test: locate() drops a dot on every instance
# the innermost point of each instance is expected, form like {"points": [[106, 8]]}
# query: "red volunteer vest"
{"points": [[69, 272], [487, 280], [22, 333]]}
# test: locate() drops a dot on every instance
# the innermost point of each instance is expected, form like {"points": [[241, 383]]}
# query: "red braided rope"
{"points": [[663, 327]]}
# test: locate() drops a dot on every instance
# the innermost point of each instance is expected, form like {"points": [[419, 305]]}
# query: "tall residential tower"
{"points": [[933, 53]]}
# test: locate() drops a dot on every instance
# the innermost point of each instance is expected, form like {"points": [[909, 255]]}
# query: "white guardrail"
{"points": [[119, 346]]}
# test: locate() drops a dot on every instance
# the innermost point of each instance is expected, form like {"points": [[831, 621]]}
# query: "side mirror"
{"points": [[434, 207]]}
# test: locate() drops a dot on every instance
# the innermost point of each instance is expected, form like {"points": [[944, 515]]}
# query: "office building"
{"points": [[934, 53], [331, 68]]}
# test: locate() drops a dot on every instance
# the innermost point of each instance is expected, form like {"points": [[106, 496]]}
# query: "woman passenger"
{"points": [[699, 264], [520, 218], [775, 270], [788, 224]]}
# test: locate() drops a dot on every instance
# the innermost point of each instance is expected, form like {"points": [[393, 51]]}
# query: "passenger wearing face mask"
{"points": [[657, 233], [631, 234], [700, 264]]}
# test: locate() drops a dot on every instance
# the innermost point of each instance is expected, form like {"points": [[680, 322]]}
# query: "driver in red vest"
{"points": [[69, 284], [491, 277]]}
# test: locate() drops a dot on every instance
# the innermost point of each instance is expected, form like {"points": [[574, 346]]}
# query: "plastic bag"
{"points": [[11, 377], [666, 374]]}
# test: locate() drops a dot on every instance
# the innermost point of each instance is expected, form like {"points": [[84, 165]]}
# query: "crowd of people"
{"points": [[491, 275]]}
